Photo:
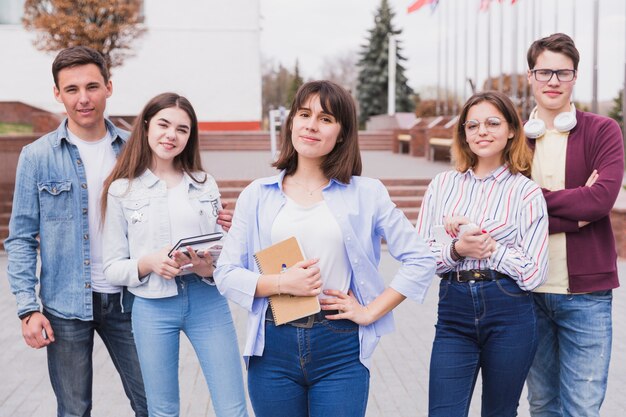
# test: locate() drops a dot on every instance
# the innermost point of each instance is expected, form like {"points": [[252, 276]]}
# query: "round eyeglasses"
{"points": [[492, 125], [545, 75]]}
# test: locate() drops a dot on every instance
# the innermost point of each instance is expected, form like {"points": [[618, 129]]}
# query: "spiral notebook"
{"points": [[273, 260]]}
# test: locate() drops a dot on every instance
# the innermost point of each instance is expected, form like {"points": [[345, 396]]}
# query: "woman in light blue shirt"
{"points": [[157, 194], [319, 365]]}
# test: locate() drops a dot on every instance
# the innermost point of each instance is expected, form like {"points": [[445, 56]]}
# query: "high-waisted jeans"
{"points": [[312, 372], [486, 326]]}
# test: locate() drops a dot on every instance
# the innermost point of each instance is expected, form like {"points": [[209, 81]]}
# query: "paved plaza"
{"points": [[399, 379]]}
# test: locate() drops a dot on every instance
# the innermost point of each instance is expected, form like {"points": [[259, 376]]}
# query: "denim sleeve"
{"points": [[404, 244], [119, 269], [22, 243], [235, 277]]}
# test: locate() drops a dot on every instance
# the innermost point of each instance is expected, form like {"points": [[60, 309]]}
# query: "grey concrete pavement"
{"points": [[227, 165], [399, 379]]}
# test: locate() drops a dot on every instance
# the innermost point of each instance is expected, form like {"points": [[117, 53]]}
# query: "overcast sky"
{"points": [[314, 30]]}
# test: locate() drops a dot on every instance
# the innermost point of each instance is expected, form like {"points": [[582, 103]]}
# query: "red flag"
{"points": [[513, 1], [484, 5], [417, 5]]}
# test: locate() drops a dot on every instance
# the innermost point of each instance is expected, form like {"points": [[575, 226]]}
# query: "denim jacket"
{"points": [[137, 223], [50, 211], [365, 214]]}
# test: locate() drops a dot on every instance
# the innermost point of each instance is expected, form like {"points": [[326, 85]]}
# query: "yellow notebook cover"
{"points": [[270, 260]]}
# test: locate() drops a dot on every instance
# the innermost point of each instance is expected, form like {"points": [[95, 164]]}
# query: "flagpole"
{"points": [[489, 48], [439, 40], [465, 74], [556, 16], [624, 99], [454, 70], [501, 77], [445, 64], [476, 54], [525, 87], [532, 21], [594, 100], [514, 77], [573, 31]]}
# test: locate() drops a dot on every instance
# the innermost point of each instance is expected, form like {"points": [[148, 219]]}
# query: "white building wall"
{"points": [[207, 50]]}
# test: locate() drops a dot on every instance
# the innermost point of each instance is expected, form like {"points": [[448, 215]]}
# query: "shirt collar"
{"points": [[277, 180], [149, 179], [63, 134], [497, 174]]}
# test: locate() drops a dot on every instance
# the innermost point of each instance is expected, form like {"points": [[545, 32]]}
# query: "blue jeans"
{"points": [[70, 357], [569, 374], [486, 326], [203, 315], [312, 372]]}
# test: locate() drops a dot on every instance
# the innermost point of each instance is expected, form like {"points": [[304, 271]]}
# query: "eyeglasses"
{"points": [[545, 75], [492, 124]]}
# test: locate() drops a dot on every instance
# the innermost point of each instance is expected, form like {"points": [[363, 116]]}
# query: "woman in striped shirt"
{"points": [[487, 225]]}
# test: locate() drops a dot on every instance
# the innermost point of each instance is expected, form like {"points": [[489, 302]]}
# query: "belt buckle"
{"points": [[459, 278], [307, 325]]}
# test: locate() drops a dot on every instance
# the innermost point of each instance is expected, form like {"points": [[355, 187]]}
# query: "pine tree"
{"points": [[373, 69], [616, 112]]}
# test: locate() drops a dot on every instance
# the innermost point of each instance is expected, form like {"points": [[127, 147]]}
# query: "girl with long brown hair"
{"points": [[157, 194]]}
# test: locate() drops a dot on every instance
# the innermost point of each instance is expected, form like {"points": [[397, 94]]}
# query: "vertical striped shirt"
{"points": [[511, 208]]}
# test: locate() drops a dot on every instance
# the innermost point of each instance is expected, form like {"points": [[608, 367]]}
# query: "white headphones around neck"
{"points": [[563, 122]]}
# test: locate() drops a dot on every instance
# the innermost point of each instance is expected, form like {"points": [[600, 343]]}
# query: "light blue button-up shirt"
{"points": [[365, 214]]}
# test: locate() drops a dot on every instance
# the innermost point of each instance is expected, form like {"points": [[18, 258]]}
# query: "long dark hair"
{"points": [[345, 158], [137, 154]]}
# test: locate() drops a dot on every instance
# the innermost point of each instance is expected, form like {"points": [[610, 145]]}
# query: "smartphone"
{"points": [[467, 228], [441, 236]]}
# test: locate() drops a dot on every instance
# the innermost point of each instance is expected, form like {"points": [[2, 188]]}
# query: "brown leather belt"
{"points": [[305, 322], [474, 275]]}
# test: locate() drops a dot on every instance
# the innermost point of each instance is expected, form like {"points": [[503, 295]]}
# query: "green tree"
{"points": [[373, 69], [616, 112], [296, 82], [108, 26]]}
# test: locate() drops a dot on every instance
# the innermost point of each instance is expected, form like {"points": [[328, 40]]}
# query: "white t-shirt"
{"points": [[319, 236], [98, 159], [184, 221]]}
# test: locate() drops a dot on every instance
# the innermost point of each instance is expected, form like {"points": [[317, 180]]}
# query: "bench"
{"points": [[435, 144], [404, 143]]}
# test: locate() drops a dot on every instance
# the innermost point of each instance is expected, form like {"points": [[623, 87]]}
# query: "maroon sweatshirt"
{"points": [[595, 143]]}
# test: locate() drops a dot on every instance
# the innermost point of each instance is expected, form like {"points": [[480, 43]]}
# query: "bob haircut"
{"points": [[558, 43], [136, 157], [516, 154], [344, 160], [75, 56]]}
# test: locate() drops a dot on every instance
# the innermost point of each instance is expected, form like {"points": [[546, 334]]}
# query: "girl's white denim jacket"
{"points": [[137, 223]]}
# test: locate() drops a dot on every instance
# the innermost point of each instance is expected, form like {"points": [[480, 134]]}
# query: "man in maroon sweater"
{"points": [[579, 163]]}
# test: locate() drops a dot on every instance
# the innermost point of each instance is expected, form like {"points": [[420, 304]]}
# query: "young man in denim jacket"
{"points": [[579, 163], [57, 192]]}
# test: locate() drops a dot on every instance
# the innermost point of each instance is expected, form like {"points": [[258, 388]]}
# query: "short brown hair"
{"points": [[75, 56], [517, 154], [345, 158], [559, 43]]}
